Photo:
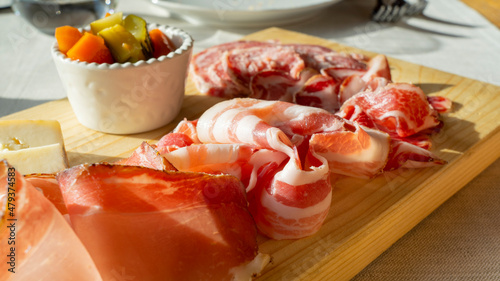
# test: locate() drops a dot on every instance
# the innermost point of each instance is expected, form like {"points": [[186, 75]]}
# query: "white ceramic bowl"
{"points": [[128, 98]]}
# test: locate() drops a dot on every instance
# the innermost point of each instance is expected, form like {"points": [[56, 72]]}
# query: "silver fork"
{"points": [[394, 10]]}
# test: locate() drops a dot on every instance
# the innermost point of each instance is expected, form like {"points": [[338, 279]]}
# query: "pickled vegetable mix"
{"points": [[114, 38]]}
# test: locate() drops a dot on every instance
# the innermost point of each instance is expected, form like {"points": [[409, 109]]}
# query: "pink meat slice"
{"points": [[244, 63], [49, 187], [147, 156], [281, 126], [398, 108], [311, 54], [209, 74], [441, 104], [46, 248], [155, 225], [319, 91], [273, 85], [407, 155]]}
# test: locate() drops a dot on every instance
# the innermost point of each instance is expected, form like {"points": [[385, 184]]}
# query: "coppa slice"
{"points": [[209, 74], [243, 64], [398, 108], [154, 225]]}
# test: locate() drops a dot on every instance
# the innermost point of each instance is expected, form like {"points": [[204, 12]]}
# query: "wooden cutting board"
{"points": [[367, 216]]}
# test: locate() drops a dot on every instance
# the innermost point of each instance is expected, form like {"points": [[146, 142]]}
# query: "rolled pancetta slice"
{"points": [[280, 126]]}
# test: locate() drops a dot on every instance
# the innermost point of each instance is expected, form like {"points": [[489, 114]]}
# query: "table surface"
{"points": [[459, 241]]}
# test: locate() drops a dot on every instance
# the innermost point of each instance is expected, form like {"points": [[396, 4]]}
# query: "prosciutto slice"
{"points": [[155, 225], [147, 156], [49, 187], [37, 237]]}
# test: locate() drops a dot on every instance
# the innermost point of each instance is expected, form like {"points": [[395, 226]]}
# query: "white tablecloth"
{"points": [[470, 47]]}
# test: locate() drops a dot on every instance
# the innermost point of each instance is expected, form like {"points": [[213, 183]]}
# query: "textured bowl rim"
{"points": [[187, 44]]}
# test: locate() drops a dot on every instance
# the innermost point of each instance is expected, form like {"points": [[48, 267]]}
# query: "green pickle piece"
{"points": [[138, 27], [109, 21], [122, 44]]}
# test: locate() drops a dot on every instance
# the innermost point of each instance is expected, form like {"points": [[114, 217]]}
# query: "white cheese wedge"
{"points": [[33, 146]]}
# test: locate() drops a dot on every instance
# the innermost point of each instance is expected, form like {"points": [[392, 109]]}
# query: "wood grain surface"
{"points": [[367, 216], [490, 9]]}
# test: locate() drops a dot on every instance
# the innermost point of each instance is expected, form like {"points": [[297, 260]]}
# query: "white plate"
{"points": [[5, 3], [244, 13]]}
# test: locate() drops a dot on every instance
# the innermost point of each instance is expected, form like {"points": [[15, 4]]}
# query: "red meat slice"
{"points": [[243, 64], [156, 225], [49, 187], [209, 74], [398, 108], [46, 248], [320, 91], [147, 156]]}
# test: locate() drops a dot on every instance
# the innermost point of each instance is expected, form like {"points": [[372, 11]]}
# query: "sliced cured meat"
{"points": [[44, 241], [173, 141], [319, 91], [311, 54], [398, 108], [188, 128], [273, 71], [244, 121], [377, 75], [291, 203], [242, 64], [209, 74], [358, 152], [351, 86], [147, 156], [173, 219], [274, 85], [355, 114], [441, 104], [215, 159], [280, 126], [378, 66], [407, 155], [421, 140], [48, 185], [340, 66], [241, 161]]}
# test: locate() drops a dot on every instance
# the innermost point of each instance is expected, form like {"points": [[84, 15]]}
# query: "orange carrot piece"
{"points": [[90, 48], [160, 42], [66, 37], [104, 56]]}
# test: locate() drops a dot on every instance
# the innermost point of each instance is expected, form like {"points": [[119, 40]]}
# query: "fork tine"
{"points": [[395, 14], [378, 12], [394, 10]]}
